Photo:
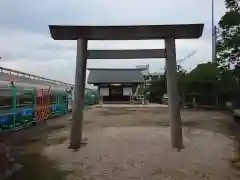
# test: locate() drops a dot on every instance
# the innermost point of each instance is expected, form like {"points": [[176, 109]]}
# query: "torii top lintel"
{"points": [[177, 31]]}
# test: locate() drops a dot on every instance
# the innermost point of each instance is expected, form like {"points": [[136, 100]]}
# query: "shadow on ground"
{"points": [[27, 145]]}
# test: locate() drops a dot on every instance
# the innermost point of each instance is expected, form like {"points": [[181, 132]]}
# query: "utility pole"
{"points": [[215, 43], [213, 35]]}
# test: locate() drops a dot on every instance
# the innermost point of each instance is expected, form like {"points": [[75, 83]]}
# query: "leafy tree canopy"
{"points": [[228, 43]]}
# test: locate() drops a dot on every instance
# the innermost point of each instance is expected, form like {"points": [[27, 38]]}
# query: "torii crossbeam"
{"points": [[167, 32]]}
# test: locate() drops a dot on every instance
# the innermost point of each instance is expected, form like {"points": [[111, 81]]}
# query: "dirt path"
{"points": [[129, 143]]}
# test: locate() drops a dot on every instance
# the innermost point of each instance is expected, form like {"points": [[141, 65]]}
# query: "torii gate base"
{"points": [[167, 32]]}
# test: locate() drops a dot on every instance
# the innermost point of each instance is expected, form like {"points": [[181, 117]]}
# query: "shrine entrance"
{"points": [[167, 32], [116, 93]]}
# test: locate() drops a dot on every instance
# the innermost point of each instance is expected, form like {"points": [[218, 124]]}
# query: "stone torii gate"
{"points": [[167, 32]]}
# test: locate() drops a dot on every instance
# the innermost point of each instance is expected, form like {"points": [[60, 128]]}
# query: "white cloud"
{"points": [[25, 42]]}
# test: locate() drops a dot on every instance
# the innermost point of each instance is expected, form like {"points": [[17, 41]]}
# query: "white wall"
{"points": [[127, 91], [104, 91]]}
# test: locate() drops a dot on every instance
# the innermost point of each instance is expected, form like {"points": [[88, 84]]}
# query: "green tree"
{"points": [[228, 43], [211, 85], [202, 83], [182, 82], [157, 87], [158, 84]]}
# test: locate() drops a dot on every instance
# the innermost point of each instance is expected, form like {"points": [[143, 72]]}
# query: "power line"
{"points": [[188, 56]]}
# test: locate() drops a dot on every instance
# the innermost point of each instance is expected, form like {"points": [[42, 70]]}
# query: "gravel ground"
{"points": [[129, 143]]}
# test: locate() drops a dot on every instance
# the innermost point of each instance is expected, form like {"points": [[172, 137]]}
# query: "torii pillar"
{"points": [[167, 32]]}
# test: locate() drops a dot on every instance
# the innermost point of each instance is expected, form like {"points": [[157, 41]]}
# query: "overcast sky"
{"points": [[26, 44]]}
